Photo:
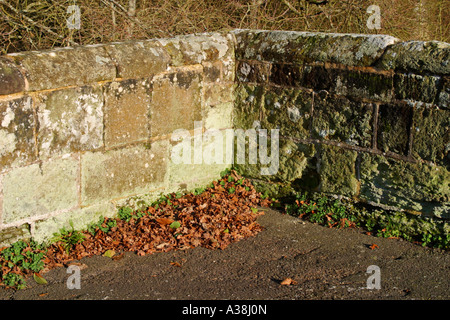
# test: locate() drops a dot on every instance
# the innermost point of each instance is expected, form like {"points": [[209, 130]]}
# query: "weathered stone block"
{"points": [[364, 85], [11, 79], [79, 218], [298, 47], [176, 101], [351, 83], [127, 112], [412, 186], [394, 123], [295, 163], [340, 119], [337, 170], [431, 134], [444, 94], [197, 157], [287, 109], [70, 120], [38, 189], [217, 93], [418, 57], [196, 49], [248, 104], [229, 69], [318, 77], [122, 173], [218, 116], [12, 234], [17, 124], [252, 71], [286, 74], [416, 87], [64, 67], [212, 71], [138, 59]]}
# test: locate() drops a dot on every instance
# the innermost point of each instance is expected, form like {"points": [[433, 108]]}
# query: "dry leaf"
{"points": [[288, 282], [109, 253], [373, 246], [39, 279], [213, 219], [164, 221]]}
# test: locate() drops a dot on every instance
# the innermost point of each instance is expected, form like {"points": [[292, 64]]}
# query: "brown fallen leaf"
{"points": [[175, 264], [118, 256], [288, 282], [373, 246], [164, 221]]}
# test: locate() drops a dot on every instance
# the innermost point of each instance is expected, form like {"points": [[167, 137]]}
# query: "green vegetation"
{"points": [[21, 258], [68, 237], [342, 213]]}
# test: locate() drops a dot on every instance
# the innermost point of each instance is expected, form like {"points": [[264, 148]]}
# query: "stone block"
{"points": [[11, 79], [197, 157], [17, 125], [39, 189], [79, 218], [337, 170], [252, 71], [248, 105], [70, 120], [286, 74], [416, 87], [351, 83], [298, 47], [340, 119], [198, 48], [294, 163], [422, 57], [394, 123], [64, 67], [431, 134], [444, 94], [10, 235], [212, 71], [415, 187], [217, 93], [176, 101], [122, 173], [218, 116], [138, 59], [127, 112], [229, 69], [289, 110], [364, 85]]}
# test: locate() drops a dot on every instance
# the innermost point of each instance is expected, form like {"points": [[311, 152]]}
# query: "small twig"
{"points": [[36, 23], [125, 13], [292, 7]]}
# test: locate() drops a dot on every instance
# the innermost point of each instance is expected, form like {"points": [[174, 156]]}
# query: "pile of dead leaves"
{"points": [[223, 213]]}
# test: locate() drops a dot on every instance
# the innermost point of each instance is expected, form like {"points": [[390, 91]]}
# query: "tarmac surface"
{"points": [[322, 264]]}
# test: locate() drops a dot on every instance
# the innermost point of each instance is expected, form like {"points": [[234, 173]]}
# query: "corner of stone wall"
{"points": [[364, 116]]}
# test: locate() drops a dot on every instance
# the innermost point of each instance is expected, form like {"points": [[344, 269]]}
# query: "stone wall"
{"points": [[84, 130], [363, 116], [88, 129]]}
